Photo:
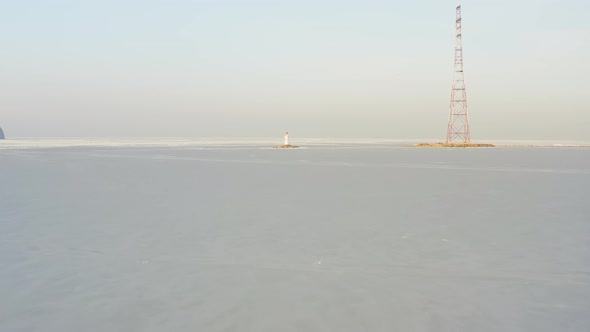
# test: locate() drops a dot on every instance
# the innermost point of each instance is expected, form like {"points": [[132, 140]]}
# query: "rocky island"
{"points": [[286, 145], [454, 145]]}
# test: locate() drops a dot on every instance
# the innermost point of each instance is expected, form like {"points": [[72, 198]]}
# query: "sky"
{"points": [[343, 69]]}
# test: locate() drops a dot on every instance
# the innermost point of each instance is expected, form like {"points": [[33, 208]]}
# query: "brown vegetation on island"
{"points": [[454, 145]]}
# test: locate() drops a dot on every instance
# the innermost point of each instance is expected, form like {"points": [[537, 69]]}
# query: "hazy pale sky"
{"points": [[318, 68]]}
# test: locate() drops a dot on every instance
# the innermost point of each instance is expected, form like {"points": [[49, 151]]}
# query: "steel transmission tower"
{"points": [[458, 128]]}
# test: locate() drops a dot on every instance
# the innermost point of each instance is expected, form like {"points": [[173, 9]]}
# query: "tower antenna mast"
{"points": [[458, 128]]}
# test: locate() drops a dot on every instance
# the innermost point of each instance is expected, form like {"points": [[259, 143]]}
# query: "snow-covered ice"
{"points": [[223, 237]]}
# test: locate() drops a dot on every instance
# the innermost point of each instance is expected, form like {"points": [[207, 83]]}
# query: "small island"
{"points": [[454, 145], [285, 146]]}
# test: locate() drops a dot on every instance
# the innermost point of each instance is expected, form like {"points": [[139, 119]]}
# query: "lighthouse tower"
{"points": [[286, 145]]}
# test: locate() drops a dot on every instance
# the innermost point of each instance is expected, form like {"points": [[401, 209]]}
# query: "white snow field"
{"points": [[230, 237]]}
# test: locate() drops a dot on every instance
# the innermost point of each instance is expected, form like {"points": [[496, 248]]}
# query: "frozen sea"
{"points": [[221, 235]]}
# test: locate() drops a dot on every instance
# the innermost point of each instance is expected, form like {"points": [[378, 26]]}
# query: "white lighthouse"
{"points": [[286, 145]]}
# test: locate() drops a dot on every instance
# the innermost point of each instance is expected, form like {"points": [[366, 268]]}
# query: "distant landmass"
{"points": [[2, 134]]}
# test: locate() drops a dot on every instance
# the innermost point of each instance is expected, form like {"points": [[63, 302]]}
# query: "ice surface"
{"points": [[107, 237]]}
